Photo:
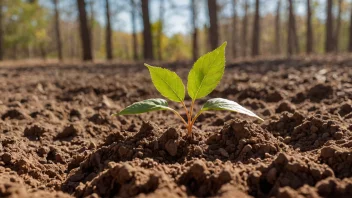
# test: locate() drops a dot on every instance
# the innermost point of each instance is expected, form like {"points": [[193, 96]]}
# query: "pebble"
{"points": [[223, 152]]}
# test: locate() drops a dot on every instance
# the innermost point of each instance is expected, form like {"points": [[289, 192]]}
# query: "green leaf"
{"points": [[145, 106], [206, 73], [168, 83], [224, 104]]}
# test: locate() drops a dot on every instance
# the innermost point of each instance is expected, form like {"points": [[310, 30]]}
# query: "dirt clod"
{"points": [[69, 131], [319, 92], [17, 114], [34, 132]]}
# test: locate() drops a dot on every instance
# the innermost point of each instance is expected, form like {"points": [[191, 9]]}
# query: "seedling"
{"points": [[203, 78]]}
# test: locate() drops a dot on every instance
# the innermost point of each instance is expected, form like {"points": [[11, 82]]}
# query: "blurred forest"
{"points": [[143, 29]]}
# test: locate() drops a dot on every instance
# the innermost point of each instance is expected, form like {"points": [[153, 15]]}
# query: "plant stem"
{"points": [[189, 117], [183, 120], [187, 113], [196, 116], [189, 129], [192, 105], [190, 122]]}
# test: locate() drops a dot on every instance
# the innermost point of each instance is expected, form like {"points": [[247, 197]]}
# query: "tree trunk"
{"points": [[29, 51], [256, 31], [1, 32], [84, 31], [329, 28], [234, 29], [147, 34], [160, 29], [15, 52], [108, 40], [42, 51], [350, 33], [277, 28], [292, 38], [338, 25], [134, 31], [72, 42], [91, 24], [309, 29], [57, 30], [195, 31], [213, 30], [244, 29], [294, 31], [289, 30]]}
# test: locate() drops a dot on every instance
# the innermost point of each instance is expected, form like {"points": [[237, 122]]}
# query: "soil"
{"points": [[57, 138]]}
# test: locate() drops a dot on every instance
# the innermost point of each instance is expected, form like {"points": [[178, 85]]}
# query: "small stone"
{"points": [[225, 176], [92, 145], [223, 152], [327, 152], [59, 158], [108, 102], [198, 151], [40, 88], [171, 147], [123, 151], [171, 133], [287, 140], [198, 169], [139, 154], [345, 109], [325, 135], [338, 135], [124, 173], [6, 157], [281, 159], [246, 149], [271, 176]]}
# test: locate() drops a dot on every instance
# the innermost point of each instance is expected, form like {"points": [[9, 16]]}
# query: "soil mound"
{"points": [[305, 133], [338, 158], [319, 92], [27, 163], [241, 140], [123, 180], [286, 171], [329, 187]]}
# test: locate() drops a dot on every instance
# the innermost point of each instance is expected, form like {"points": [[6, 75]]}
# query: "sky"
{"points": [[177, 12]]}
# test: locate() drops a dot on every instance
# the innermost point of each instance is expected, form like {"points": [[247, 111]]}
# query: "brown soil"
{"points": [[57, 138]]}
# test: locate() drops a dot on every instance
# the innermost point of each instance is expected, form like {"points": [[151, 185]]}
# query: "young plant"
{"points": [[203, 78]]}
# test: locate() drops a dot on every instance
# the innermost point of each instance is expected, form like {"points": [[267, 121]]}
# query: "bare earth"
{"points": [[57, 138]]}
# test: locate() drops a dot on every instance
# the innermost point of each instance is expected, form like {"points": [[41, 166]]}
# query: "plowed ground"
{"points": [[57, 138]]}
